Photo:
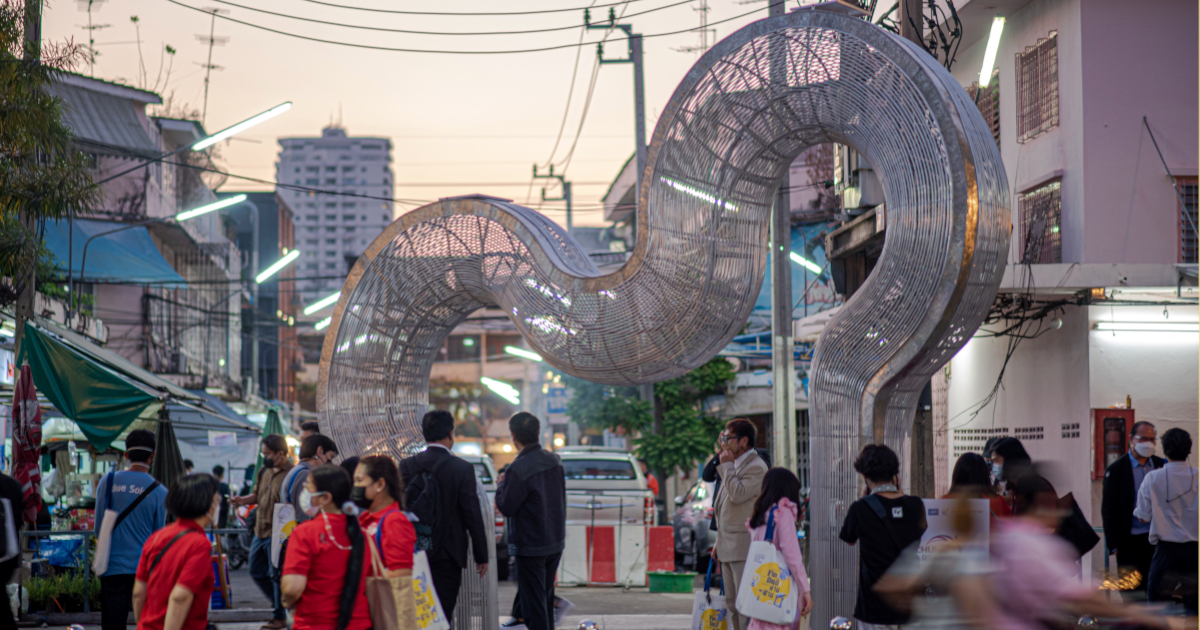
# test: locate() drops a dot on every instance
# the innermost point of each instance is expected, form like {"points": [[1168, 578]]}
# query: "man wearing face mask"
{"points": [[268, 489], [315, 450], [1124, 535]]}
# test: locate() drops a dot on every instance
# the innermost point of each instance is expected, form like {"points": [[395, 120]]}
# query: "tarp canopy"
{"points": [[128, 256]]}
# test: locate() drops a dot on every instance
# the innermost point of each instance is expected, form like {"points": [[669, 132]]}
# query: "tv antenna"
{"points": [[703, 31], [86, 5], [212, 40]]}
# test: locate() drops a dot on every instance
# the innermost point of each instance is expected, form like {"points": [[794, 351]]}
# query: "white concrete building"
{"points": [[347, 204]]}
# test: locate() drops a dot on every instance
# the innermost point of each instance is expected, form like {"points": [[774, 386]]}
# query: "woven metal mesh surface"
{"points": [[727, 136]]}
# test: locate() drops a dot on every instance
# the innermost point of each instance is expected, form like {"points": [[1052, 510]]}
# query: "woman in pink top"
{"points": [[781, 489]]}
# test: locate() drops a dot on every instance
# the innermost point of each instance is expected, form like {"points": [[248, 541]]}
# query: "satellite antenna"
{"points": [[86, 5], [212, 40]]}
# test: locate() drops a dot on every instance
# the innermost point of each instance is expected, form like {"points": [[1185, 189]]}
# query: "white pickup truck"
{"points": [[605, 486]]}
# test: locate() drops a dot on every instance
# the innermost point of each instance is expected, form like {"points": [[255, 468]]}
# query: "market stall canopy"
{"points": [[128, 256], [102, 396]]}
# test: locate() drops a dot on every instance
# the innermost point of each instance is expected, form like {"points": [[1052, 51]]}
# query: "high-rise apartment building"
{"points": [[334, 226]]}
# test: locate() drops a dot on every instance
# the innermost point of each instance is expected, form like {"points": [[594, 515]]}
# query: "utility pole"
{"points": [[27, 298], [566, 191], [639, 92], [211, 40], [783, 364], [86, 5], [911, 21], [704, 31]]}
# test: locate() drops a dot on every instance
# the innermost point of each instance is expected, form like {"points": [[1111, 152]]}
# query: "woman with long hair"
{"points": [[781, 493], [324, 576], [971, 479], [379, 492]]}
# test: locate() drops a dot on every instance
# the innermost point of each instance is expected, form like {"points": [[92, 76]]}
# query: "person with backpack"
{"points": [[174, 575], [315, 450], [441, 493], [887, 522], [268, 490], [379, 492], [140, 506]]}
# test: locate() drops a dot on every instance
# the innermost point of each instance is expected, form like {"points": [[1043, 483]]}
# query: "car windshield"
{"points": [[481, 471], [588, 469]]}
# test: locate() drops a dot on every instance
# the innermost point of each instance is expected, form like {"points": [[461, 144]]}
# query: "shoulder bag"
{"points": [[110, 521], [390, 599]]}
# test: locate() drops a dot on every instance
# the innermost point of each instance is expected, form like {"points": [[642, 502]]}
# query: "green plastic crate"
{"points": [[671, 582]]}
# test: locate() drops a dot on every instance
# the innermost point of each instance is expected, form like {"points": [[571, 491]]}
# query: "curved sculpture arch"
{"points": [[747, 108]]}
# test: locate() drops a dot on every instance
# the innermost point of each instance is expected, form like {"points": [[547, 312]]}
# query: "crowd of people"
{"points": [[1028, 574]]}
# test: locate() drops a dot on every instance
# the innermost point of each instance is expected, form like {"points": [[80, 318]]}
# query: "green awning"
{"points": [[102, 402]]}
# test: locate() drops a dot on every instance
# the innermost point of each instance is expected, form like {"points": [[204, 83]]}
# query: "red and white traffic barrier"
{"points": [[615, 555]]}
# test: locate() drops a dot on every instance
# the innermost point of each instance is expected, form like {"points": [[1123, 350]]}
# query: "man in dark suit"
{"points": [[10, 489], [460, 515], [1124, 535]]}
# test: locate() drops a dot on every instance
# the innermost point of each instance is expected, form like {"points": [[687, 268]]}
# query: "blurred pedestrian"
{"points": [[325, 573], [651, 480], [218, 472], [140, 503], [188, 465], [886, 521], [268, 489], [741, 471], [379, 492], [781, 493], [971, 479], [315, 450], [350, 464], [1124, 535], [441, 491], [309, 428], [533, 497], [10, 489], [175, 574], [1167, 502]]}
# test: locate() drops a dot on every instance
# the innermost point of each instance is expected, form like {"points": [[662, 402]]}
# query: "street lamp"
{"points": [[277, 266]]}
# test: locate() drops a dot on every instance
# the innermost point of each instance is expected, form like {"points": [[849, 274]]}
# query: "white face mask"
{"points": [[306, 505], [997, 470], [1143, 449]]}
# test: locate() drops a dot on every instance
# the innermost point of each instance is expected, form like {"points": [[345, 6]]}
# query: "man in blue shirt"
{"points": [[119, 491]]}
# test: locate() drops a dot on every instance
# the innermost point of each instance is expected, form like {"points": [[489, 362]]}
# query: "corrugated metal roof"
{"points": [[97, 117]]}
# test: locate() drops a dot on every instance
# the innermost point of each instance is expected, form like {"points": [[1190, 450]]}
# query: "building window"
{"points": [[311, 266], [1188, 220], [988, 101], [330, 254], [311, 241], [1037, 88], [310, 217], [330, 169], [331, 230], [349, 217], [1041, 225], [350, 229], [312, 182], [312, 169], [331, 265], [349, 181], [331, 181], [331, 217], [311, 230], [331, 241], [347, 169]]}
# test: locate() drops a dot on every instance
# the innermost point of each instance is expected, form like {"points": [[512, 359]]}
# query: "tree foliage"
{"points": [[686, 429]]}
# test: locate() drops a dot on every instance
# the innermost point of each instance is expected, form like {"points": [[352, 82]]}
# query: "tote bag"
{"points": [[390, 599], [768, 592], [429, 613], [283, 521], [708, 610], [111, 519]]}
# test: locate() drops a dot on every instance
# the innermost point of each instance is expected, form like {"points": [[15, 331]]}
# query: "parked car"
{"points": [[485, 471], [605, 486], [694, 540]]}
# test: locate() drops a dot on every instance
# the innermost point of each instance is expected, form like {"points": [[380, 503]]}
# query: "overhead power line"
{"points": [[409, 32], [473, 13], [439, 52]]}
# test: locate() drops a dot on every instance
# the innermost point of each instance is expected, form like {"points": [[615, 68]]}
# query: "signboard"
{"points": [[939, 514], [556, 400], [8, 368], [222, 438]]}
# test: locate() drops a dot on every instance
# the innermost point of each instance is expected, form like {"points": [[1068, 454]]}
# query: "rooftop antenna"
{"points": [[211, 39], [86, 5], [703, 31]]}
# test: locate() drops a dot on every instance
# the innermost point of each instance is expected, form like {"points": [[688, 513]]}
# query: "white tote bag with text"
{"points": [[430, 615], [767, 591]]}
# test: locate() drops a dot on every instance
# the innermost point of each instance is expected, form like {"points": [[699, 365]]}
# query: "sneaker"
{"points": [[562, 607], [513, 624]]}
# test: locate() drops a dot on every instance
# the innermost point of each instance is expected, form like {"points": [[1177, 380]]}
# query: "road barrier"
{"points": [[610, 555]]}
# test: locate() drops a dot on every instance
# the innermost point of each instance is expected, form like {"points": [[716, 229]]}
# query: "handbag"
{"points": [[429, 613], [709, 611], [390, 598], [110, 521], [768, 592], [1075, 528]]}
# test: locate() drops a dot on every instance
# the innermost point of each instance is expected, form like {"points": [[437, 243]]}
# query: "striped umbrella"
{"points": [[27, 441]]}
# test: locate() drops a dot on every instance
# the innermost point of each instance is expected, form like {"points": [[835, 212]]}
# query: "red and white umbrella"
{"points": [[27, 442]]}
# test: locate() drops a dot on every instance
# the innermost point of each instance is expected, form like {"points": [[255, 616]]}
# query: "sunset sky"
{"points": [[459, 124]]}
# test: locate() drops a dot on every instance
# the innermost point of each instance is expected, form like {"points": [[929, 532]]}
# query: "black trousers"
{"points": [[1173, 567], [1135, 553], [7, 622], [116, 600], [535, 590], [447, 581]]}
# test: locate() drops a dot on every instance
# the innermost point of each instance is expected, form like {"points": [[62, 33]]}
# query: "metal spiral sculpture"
{"points": [[722, 145]]}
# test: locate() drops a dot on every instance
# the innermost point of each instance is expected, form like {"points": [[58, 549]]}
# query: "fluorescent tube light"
{"points": [[279, 264], [1174, 327], [989, 54], [525, 354], [806, 263], [195, 212], [322, 303], [242, 126], [323, 324], [502, 389]]}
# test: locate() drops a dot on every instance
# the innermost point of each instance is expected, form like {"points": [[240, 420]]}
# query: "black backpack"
{"points": [[423, 499]]}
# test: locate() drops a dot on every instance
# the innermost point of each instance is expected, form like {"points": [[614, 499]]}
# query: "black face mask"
{"points": [[268, 462], [358, 494]]}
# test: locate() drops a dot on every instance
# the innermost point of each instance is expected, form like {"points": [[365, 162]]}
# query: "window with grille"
{"points": [[1037, 88], [1041, 225], [1188, 219], [988, 101]]}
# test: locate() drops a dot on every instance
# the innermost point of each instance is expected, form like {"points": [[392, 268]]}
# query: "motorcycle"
{"points": [[237, 546]]}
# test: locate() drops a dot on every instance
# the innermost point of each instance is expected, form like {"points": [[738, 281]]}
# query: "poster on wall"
{"points": [[939, 514]]}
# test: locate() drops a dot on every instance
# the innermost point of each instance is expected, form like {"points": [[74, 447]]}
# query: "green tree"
{"points": [[42, 175], [686, 429]]}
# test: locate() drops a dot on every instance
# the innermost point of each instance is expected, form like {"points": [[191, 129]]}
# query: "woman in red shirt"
{"points": [[175, 575], [379, 491], [971, 480], [324, 576]]}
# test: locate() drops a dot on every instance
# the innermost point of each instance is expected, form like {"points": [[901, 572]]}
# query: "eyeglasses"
{"points": [[723, 438]]}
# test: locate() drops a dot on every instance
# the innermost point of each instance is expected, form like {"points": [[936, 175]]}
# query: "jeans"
{"points": [[116, 600], [535, 590], [264, 575]]}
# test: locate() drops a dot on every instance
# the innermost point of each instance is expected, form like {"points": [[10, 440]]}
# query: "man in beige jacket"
{"points": [[742, 472]]}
